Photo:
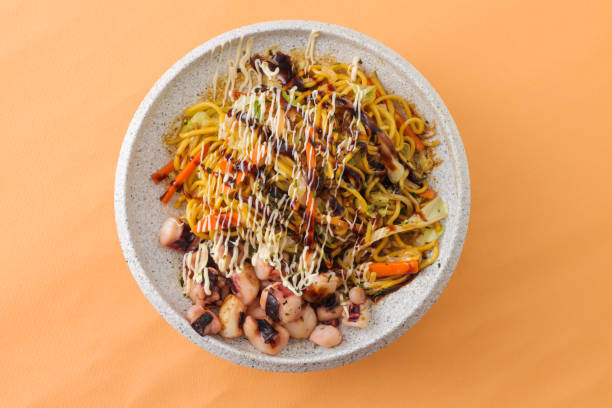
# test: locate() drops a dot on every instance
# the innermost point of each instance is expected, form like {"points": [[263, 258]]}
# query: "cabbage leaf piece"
{"points": [[433, 211]]}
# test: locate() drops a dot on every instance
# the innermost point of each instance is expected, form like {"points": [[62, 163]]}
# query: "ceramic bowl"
{"points": [[139, 212]]}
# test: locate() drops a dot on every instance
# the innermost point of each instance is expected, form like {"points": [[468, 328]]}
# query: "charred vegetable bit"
{"points": [[272, 306], [268, 332], [187, 240], [202, 322], [162, 173], [330, 302]]}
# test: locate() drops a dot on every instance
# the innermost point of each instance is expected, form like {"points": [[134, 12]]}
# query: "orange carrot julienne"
{"points": [[162, 173], [382, 269], [223, 189], [236, 94], [310, 156], [226, 167], [428, 194], [224, 220], [183, 175], [331, 220], [418, 143], [281, 122], [257, 155], [311, 175]]}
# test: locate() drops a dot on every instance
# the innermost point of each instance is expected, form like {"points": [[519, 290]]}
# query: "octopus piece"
{"points": [[301, 327], [358, 315], [265, 336], [231, 315], [254, 310], [217, 285], [202, 320], [280, 304], [263, 269], [324, 285], [357, 295], [330, 309], [245, 284], [326, 336], [177, 235]]}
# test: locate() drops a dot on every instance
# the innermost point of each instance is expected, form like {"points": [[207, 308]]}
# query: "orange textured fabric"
{"points": [[525, 320]]}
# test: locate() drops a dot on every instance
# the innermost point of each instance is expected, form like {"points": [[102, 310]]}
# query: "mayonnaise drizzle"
{"points": [[310, 47], [267, 233], [193, 267], [266, 69], [354, 66]]}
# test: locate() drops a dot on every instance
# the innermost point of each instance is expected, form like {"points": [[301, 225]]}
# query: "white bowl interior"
{"points": [[140, 213]]}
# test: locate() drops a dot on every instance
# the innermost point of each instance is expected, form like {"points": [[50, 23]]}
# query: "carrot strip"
{"points": [[428, 194], [418, 143], [162, 173], [281, 123], [310, 202], [332, 220], [370, 83], [226, 167], [183, 175], [311, 176], [223, 189], [382, 269], [257, 156], [224, 220]]}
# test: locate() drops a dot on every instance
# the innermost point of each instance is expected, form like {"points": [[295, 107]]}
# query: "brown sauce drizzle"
{"points": [[386, 149], [355, 177], [286, 74]]}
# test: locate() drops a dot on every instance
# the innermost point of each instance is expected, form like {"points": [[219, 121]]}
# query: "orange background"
{"points": [[525, 320]]}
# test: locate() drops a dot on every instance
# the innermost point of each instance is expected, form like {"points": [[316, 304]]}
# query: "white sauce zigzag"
{"points": [[268, 235]]}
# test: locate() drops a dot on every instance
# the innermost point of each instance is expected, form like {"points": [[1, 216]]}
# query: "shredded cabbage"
{"points": [[200, 119], [379, 199], [368, 92], [289, 99], [197, 121], [434, 211], [429, 234]]}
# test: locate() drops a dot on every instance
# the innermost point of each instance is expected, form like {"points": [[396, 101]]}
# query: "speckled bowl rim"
{"points": [[275, 363]]}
